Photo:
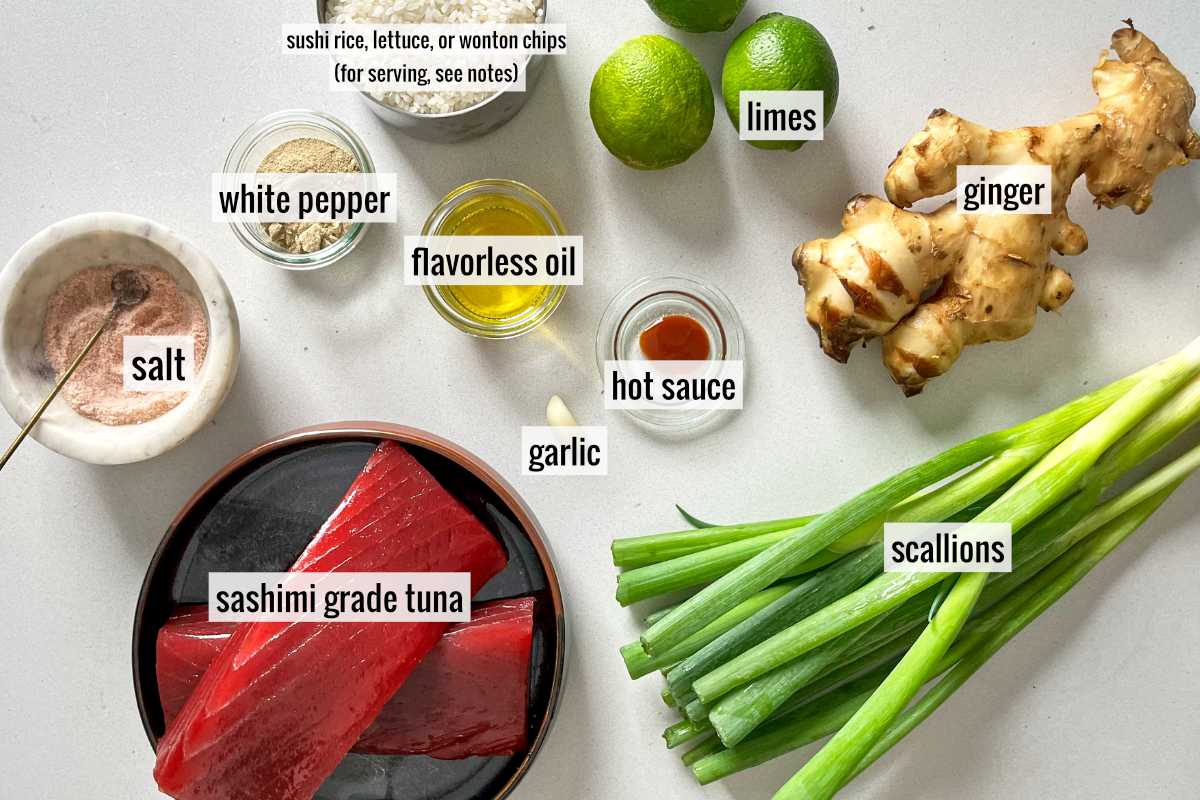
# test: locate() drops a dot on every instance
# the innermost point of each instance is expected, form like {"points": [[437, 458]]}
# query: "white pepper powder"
{"points": [[307, 154]]}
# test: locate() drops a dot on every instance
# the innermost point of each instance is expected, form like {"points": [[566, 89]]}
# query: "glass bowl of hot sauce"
{"points": [[673, 317]]}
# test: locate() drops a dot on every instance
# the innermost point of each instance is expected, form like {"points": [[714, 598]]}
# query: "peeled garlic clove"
{"points": [[557, 413]]}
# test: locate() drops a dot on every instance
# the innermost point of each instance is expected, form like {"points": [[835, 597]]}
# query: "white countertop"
{"points": [[132, 111]]}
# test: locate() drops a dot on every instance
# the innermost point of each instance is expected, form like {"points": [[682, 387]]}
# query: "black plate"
{"points": [[260, 513]]}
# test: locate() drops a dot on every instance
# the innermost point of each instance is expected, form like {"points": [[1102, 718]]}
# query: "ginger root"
{"points": [[930, 284]]}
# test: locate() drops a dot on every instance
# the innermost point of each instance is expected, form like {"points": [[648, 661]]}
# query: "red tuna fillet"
{"points": [[185, 648], [468, 697], [284, 702]]}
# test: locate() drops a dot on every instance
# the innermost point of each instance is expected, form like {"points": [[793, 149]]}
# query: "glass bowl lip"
{"points": [[713, 300], [557, 291], [272, 123], [321, 19]]}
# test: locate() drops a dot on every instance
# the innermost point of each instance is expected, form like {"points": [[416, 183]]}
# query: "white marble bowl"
{"points": [[38, 268]]}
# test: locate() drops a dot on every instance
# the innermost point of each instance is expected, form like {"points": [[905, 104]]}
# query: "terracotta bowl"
{"points": [[259, 511]]}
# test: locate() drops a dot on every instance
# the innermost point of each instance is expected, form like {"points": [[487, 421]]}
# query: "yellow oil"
{"points": [[495, 215]]}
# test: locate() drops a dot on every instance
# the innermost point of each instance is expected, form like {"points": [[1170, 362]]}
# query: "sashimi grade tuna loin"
{"points": [[469, 697], [284, 702]]}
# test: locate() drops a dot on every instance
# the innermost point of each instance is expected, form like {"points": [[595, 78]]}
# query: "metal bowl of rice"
{"points": [[444, 116]]}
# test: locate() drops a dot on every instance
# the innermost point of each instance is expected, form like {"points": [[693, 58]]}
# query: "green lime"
{"points": [[779, 52], [651, 103], [697, 16]]}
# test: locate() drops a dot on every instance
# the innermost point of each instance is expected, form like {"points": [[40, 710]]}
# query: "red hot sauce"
{"points": [[675, 337]]}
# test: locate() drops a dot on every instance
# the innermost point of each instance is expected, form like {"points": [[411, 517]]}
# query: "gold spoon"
{"points": [[129, 289]]}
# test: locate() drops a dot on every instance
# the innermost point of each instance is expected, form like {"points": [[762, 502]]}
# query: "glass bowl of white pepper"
{"points": [[299, 140]]}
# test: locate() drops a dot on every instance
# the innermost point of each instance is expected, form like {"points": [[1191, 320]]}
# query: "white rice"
{"points": [[382, 12]]}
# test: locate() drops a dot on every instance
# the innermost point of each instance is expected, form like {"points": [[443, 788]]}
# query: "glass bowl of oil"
{"points": [[494, 207]]}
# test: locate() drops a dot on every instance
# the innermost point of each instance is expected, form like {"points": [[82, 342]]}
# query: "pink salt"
{"points": [[77, 308]]}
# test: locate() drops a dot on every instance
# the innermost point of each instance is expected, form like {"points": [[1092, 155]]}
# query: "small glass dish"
{"points": [[264, 136], [646, 301], [442, 299]]}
